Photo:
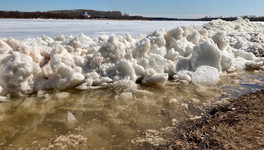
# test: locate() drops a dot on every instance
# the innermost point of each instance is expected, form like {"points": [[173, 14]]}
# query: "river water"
{"points": [[99, 119]]}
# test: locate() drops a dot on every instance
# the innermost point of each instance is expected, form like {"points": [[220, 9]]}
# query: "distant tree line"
{"points": [[68, 14], [76, 14], [44, 15], [79, 14], [251, 18]]}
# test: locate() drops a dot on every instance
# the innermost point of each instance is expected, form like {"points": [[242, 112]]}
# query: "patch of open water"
{"points": [[98, 119]]}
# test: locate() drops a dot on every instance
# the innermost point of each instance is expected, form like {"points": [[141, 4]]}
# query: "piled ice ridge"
{"points": [[197, 55]]}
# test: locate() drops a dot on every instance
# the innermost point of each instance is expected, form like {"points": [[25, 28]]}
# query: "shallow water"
{"points": [[98, 119], [102, 119]]}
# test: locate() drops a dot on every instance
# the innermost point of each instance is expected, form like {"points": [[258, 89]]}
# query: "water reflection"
{"points": [[98, 119]]}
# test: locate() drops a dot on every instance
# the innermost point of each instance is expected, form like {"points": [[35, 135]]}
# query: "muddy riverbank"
{"points": [[238, 124]]}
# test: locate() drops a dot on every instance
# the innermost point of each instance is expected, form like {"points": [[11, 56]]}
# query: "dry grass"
{"points": [[237, 125]]}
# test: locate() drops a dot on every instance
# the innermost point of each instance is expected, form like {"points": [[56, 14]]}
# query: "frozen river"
{"points": [[25, 28]]}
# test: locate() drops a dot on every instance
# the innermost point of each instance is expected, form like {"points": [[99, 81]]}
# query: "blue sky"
{"points": [[165, 8]]}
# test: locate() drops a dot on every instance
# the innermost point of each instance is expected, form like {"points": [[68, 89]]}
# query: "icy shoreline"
{"points": [[198, 55]]}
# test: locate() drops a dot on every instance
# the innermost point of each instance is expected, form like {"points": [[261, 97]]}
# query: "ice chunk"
{"points": [[18, 46], [184, 75], [173, 100], [176, 33], [155, 79], [157, 38], [158, 50], [139, 70], [183, 63], [71, 118], [194, 37], [126, 95], [227, 61], [219, 39], [182, 46], [142, 49], [16, 68], [62, 95], [172, 54], [254, 65], [243, 54], [122, 86], [60, 38], [113, 50], [4, 47], [126, 69], [205, 76], [206, 54]]}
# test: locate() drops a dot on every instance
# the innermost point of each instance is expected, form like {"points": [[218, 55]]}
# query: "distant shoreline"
{"points": [[83, 14], [122, 19], [92, 19]]}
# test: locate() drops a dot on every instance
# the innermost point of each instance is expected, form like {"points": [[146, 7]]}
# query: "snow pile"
{"points": [[196, 55]]}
